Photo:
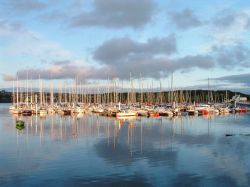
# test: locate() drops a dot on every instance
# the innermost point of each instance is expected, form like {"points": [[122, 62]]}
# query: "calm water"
{"points": [[91, 150]]}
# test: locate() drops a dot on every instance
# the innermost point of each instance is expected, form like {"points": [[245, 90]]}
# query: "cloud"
{"points": [[24, 6], [200, 61], [21, 42], [118, 57], [240, 79], [54, 15], [149, 66], [116, 49], [116, 14], [186, 19], [231, 56], [7, 77], [9, 28], [62, 71], [61, 62], [157, 67], [23, 46], [151, 58], [228, 18], [228, 27]]}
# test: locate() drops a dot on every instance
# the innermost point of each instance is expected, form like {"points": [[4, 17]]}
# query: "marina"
{"points": [[91, 150], [116, 102], [173, 138], [124, 93], [78, 135]]}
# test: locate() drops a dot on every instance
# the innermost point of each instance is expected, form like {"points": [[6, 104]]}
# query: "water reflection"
{"points": [[91, 150], [109, 181]]}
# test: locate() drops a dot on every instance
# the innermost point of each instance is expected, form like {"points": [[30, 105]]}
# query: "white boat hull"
{"points": [[125, 114]]}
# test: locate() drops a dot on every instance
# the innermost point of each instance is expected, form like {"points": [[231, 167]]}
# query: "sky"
{"points": [[100, 40]]}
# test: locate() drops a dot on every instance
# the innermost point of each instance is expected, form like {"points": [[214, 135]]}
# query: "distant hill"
{"points": [[5, 97]]}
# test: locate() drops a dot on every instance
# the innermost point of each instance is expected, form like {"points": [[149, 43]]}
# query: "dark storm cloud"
{"points": [[185, 19], [24, 6], [116, 49], [241, 78], [116, 14]]}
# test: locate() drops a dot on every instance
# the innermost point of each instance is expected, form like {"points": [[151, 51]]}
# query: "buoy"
{"points": [[19, 127], [20, 123]]}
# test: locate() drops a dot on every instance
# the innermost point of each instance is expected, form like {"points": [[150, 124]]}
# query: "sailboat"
{"points": [[125, 112], [17, 109]]}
